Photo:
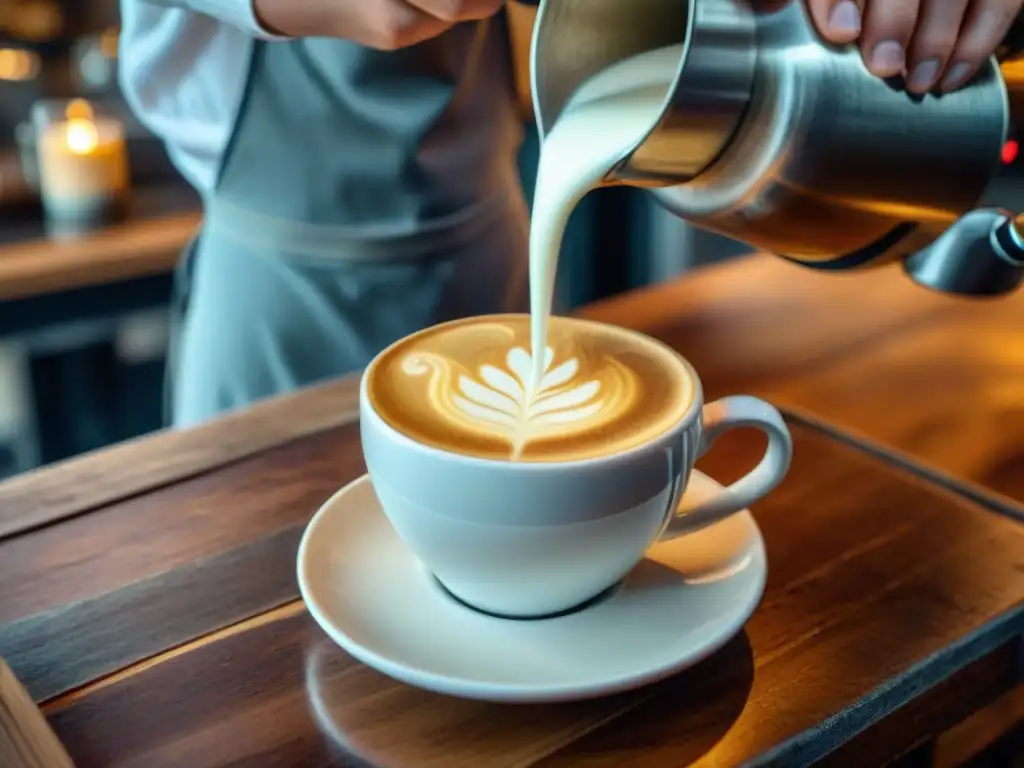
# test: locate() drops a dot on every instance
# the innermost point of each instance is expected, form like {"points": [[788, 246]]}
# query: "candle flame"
{"points": [[82, 136]]}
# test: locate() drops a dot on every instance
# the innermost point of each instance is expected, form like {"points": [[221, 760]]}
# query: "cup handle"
{"points": [[720, 416]]}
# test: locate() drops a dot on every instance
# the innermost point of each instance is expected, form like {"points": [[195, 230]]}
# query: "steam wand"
{"points": [[982, 254]]}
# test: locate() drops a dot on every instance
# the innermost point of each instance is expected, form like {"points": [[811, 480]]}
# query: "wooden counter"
{"points": [[148, 595], [937, 378], [150, 243]]}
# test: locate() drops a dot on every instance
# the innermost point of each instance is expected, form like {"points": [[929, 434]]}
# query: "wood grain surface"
{"points": [[153, 584], [26, 739], [843, 638], [180, 562], [938, 378], [98, 479]]}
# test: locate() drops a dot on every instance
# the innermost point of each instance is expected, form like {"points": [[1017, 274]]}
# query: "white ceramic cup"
{"points": [[530, 539]]}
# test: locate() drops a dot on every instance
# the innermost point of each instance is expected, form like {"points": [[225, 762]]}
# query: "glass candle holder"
{"points": [[82, 161]]}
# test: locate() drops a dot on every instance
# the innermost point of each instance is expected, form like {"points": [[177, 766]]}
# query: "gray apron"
{"points": [[363, 195]]}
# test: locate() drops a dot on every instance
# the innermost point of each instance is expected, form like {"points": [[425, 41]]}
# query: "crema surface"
{"points": [[467, 387]]}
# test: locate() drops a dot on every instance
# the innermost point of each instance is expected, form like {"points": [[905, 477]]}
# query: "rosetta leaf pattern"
{"points": [[504, 401], [507, 400]]}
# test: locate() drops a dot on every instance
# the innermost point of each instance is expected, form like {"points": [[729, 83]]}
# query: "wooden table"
{"points": [[148, 601], [936, 378]]}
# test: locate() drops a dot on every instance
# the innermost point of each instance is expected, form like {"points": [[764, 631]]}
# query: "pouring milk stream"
{"points": [[607, 116]]}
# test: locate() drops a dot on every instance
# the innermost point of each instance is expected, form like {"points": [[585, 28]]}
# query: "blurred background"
{"points": [[83, 314]]}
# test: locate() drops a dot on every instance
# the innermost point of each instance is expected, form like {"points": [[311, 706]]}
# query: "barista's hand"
{"points": [[936, 43], [383, 24]]}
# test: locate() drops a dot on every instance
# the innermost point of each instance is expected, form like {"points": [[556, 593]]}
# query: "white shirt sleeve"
{"points": [[183, 65], [240, 14]]}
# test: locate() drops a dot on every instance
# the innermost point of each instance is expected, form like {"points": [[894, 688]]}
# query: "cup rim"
{"points": [[687, 419]]}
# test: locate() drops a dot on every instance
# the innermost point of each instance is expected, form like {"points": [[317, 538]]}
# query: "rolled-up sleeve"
{"points": [[238, 13], [183, 68]]}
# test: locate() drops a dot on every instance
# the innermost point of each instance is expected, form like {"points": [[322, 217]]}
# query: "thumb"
{"points": [[837, 21]]}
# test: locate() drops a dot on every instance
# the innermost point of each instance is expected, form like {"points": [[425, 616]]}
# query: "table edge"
{"points": [[97, 479], [964, 488]]}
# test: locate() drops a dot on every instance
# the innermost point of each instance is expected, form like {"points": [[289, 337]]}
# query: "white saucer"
{"points": [[371, 596]]}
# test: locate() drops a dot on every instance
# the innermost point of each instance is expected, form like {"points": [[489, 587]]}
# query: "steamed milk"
{"points": [[606, 118], [464, 387], [544, 388]]}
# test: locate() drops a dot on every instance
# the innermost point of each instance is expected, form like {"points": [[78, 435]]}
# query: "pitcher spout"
{"points": [[702, 55]]}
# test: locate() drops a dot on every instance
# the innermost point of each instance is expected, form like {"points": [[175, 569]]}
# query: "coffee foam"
{"points": [[466, 387]]}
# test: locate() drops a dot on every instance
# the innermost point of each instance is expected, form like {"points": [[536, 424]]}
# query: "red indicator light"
{"points": [[1010, 151]]}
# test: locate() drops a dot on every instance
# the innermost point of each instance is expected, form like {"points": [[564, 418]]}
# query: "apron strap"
{"points": [[264, 233]]}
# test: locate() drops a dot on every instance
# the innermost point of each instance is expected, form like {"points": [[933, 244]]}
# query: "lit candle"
{"points": [[83, 166]]}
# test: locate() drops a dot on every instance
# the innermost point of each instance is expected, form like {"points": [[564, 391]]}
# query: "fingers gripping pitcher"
{"points": [[760, 131]]}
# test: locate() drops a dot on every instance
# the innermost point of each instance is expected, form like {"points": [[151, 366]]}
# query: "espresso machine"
{"points": [[770, 136]]}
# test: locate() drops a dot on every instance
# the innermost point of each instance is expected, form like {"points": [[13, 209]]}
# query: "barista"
{"points": [[357, 160]]}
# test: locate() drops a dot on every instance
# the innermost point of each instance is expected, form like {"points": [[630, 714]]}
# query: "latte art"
{"points": [[468, 387], [501, 401]]}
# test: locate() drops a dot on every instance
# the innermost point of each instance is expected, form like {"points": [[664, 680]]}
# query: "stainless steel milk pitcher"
{"points": [[775, 138]]}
